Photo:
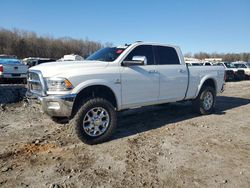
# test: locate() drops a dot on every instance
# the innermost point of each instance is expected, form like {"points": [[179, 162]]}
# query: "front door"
{"points": [[140, 83]]}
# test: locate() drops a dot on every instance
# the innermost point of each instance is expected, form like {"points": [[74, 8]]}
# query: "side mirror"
{"points": [[136, 60]]}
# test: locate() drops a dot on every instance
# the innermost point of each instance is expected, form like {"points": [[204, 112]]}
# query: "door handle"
{"points": [[152, 71]]}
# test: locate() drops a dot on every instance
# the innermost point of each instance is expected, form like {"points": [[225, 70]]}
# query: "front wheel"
{"points": [[205, 101], [95, 121]]}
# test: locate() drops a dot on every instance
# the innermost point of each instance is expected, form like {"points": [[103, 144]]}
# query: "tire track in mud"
{"points": [[141, 163]]}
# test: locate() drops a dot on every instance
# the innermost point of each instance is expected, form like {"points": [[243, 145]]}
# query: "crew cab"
{"points": [[91, 92], [12, 69]]}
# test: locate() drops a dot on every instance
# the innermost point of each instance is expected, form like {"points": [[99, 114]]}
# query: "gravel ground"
{"points": [[160, 146]]}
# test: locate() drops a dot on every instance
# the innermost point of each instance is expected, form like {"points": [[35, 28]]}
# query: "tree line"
{"points": [[227, 57], [29, 44]]}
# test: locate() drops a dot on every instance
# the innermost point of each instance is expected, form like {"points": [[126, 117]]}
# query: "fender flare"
{"points": [[203, 80], [99, 82]]}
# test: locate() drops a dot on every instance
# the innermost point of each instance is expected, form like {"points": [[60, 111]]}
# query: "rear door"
{"points": [[140, 83], [173, 74]]}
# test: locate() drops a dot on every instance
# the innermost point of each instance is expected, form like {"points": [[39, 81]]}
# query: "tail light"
{"points": [[1, 68]]}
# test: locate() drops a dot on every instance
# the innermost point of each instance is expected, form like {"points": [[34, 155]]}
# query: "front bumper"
{"points": [[56, 105]]}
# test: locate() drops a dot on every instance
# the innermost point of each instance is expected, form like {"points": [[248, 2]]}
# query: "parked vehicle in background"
{"points": [[232, 73], [12, 69], [118, 78], [243, 66], [33, 61], [71, 57]]}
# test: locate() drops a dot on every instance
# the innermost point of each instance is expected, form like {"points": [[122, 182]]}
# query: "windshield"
{"points": [[9, 61], [240, 65], [106, 54], [229, 65]]}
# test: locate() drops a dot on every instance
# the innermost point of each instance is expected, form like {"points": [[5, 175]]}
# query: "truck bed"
{"points": [[199, 73]]}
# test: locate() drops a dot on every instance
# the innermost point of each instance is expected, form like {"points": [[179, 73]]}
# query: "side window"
{"points": [[143, 50], [167, 56]]}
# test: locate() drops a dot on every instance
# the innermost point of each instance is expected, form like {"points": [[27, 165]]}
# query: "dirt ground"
{"points": [[160, 146]]}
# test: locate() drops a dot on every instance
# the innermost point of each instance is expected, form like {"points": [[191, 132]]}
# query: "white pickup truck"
{"points": [[12, 69], [90, 92]]}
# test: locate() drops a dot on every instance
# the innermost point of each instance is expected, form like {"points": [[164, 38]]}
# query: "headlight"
{"points": [[58, 84]]}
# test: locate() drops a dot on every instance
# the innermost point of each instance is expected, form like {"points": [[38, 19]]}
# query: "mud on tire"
{"points": [[205, 102], [89, 115]]}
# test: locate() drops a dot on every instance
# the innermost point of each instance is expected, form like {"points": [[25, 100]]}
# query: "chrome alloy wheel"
{"points": [[208, 100], [96, 121]]}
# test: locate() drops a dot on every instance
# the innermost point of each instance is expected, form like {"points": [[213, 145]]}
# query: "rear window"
{"points": [[167, 56], [9, 61]]}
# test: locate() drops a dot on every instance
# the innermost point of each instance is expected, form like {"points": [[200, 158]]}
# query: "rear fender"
{"points": [[203, 80]]}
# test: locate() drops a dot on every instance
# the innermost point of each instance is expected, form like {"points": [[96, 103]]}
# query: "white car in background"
{"points": [[232, 72], [243, 66], [228, 66]]}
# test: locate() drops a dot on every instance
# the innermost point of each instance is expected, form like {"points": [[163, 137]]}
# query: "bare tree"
{"points": [[28, 44]]}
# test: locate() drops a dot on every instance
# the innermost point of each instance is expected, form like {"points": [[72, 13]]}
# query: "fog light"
{"points": [[53, 105]]}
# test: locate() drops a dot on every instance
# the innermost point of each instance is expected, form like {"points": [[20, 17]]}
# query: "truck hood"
{"points": [[63, 68]]}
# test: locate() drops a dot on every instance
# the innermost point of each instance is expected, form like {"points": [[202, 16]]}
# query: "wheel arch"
{"points": [[96, 90], [209, 81]]}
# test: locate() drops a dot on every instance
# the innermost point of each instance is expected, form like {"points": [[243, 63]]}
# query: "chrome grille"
{"points": [[36, 83]]}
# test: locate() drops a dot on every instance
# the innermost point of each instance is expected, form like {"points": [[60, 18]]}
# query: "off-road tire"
{"points": [[77, 121], [198, 102]]}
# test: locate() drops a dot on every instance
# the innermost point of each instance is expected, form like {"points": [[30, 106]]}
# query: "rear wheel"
{"points": [[95, 121], [205, 101]]}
